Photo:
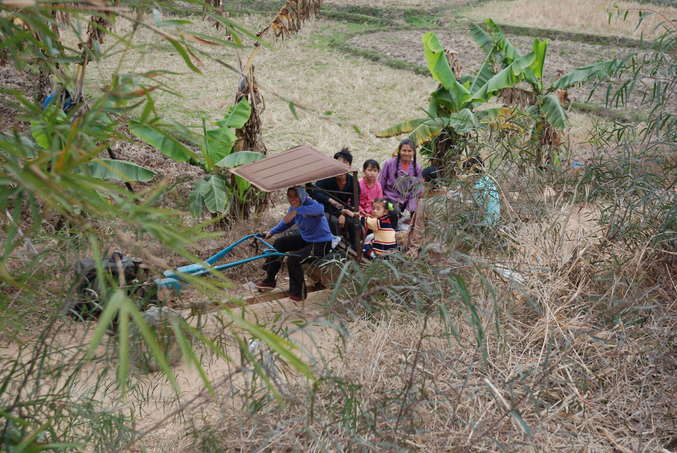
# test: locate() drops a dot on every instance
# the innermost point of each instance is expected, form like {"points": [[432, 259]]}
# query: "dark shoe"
{"points": [[296, 298], [265, 285]]}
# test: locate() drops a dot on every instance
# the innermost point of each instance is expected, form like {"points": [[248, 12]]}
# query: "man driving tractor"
{"points": [[312, 240]]}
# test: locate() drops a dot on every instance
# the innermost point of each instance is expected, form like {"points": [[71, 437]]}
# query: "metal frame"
{"points": [[173, 277]]}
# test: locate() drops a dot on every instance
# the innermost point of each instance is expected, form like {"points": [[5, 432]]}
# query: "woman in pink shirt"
{"points": [[370, 188]]}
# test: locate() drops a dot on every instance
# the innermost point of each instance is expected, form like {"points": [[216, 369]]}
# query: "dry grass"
{"points": [[398, 3], [577, 16], [347, 99]]}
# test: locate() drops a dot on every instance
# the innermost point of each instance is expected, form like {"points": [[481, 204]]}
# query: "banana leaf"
{"points": [[508, 77], [553, 111], [534, 72], [485, 72], [441, 71], [595, 71], [219, 143], [119, 170], [482, 38], [463, 122], [401, 128], [237, 116], [163, 142], [502, 43], [213, 193], [428, 130], [239, 158], [442, 103]]}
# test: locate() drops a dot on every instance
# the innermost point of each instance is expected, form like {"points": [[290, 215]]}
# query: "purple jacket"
{"points": [[403, 193]]}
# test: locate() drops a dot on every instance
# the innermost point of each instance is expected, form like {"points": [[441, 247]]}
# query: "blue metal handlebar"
{"points": [[173, 276]]}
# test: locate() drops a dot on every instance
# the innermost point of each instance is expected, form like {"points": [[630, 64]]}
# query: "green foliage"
{"points": [[119, 170], [162, 141], [441, 71], [236, 159], [211, 193], [217, 193], [59, 190], [529, 68]]}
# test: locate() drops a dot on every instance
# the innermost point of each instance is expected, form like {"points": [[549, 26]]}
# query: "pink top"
{"points": [[369, 194]]}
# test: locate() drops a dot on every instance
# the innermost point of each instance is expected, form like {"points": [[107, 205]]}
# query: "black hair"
{"points": [[475, 163], [430, 173], [370, 163], [392, 209], [410, 142], [345, 155]]}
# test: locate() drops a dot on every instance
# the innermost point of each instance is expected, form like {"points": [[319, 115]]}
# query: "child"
{"points": [[383, 223], [485, 192], [370, 188]]}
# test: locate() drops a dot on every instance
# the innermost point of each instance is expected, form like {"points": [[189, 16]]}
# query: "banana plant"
{"points": [[452, 114], [218, 192], [544, 104], [64, 144]]}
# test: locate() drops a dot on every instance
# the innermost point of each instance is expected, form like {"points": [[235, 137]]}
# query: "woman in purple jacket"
{"points": [[312, 240], [400, 177]]}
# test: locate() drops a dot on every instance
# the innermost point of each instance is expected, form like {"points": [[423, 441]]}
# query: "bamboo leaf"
{"points": [[281, 346], [189, 353], [596, 71], [184, 54], [152, 342], [292, 108], [123, 345], [239, 158], [110, 310]]}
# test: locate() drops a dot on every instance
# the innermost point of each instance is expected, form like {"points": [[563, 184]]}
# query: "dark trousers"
{"points": [[350, 229], [302, 252]]}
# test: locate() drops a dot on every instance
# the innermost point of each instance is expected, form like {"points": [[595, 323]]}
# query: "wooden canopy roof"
{"points": [[293, 167]]}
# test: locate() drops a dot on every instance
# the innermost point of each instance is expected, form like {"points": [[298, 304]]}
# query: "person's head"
{"points": [[295, 196], [344, 156], [430, 174], [383, 206], [371, 169], [406, 153], [473, 165]]}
